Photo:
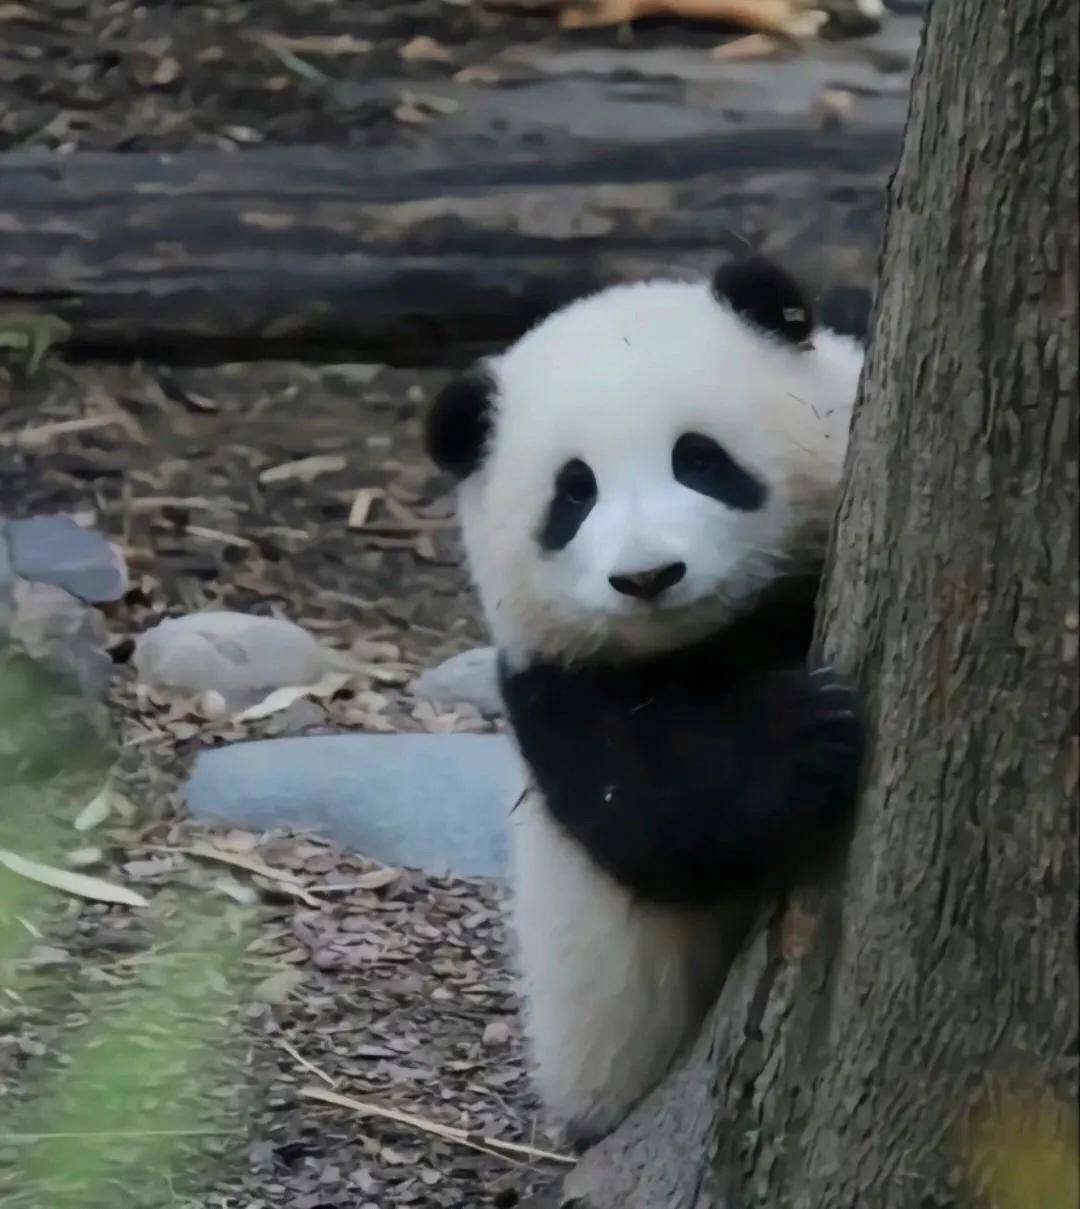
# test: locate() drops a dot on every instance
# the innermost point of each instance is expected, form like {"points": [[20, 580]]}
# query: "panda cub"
{"points": [[646, 485]]}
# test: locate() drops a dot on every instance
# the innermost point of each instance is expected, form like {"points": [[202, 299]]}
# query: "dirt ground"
{"points": [[127, 75], [405, 995], [399, 991]]}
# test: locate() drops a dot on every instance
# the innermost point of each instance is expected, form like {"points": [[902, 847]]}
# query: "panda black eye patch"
{"points": [[705, 466], [571, 503]]}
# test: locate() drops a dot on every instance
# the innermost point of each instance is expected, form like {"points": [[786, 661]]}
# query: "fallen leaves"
{"points": [[279, 987], [253, 865], [380, 977], [79, 884]]}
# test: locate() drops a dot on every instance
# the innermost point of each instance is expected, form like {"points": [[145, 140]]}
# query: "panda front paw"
{"points": [[831, 737]]}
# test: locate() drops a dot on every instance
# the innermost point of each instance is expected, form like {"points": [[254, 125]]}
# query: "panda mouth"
{"points": [[650, 608]]}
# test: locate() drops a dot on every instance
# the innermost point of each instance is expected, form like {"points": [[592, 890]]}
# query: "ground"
{"points": [[402, 982], [393, 986]]}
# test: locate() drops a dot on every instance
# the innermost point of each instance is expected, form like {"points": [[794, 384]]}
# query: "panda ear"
{"points": [[762, 294], [458, 423]]}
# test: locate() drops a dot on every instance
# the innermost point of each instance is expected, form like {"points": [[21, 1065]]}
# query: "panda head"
{"points": [[639, 465]]}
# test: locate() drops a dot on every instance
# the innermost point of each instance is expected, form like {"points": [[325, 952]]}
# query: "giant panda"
{"points": [[646, 482]]}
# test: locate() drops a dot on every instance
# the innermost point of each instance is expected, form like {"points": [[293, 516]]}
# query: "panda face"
{"points": [[627, 536], [649, 458]]}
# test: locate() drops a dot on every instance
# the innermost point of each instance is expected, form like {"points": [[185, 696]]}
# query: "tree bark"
{"points": [[325, 254], [898, 1037]]}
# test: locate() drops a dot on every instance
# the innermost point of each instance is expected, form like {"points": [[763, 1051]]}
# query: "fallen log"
{"points": [[304, 252]]}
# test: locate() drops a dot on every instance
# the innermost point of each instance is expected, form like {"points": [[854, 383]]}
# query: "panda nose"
{"points": [[648, 585]]}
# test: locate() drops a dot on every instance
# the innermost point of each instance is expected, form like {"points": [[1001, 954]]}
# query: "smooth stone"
{"points": [[56, 550], [230, 653], [54, 627], [471, 678], [434, 802]]}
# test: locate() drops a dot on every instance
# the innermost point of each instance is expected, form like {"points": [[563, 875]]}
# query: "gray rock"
{"points": [[471, 677], [433, 802], [56, 629], [230, 653], [55, 550]]}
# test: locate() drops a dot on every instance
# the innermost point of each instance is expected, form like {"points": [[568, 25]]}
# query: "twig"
{"points": [[295, 1054], [502, 1150]]}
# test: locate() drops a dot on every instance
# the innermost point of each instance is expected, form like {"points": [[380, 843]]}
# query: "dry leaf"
{"points": [[253, 865], [377, 879], [95, 812], [304, 469], [81, 857], [282, 698], [316, 44], [751, 49], [410, 114], [34, 438], [122, 806], [278, 987], [362, 504], [219, 535], [78, 884], [477, 73], [423, 49], [167, 70], [235, 890], [496, 1033], [431, 102], [236, 841], [211, 705]]}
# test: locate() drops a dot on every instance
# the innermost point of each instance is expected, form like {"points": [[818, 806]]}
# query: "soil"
{"points": [[403, 982]]}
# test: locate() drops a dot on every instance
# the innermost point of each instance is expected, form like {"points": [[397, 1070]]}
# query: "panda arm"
{"points": [[690, 784]]}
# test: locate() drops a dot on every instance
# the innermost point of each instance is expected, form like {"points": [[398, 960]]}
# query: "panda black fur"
{"points": [[647, 479]]}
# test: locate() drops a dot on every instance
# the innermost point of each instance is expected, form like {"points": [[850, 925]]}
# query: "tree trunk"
{"points": [[909, 1038]]}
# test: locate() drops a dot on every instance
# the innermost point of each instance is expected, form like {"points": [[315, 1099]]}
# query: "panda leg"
{"points": [[614, 988]]}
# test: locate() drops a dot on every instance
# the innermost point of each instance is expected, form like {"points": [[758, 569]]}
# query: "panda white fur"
{"points": [[647, 480]]}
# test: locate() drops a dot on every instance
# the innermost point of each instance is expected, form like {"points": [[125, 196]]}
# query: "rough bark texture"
{"points": [[311, 252], [943, 972]]}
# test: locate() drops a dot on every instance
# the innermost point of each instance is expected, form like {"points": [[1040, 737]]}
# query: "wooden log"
{"points": [[314, 253]]}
